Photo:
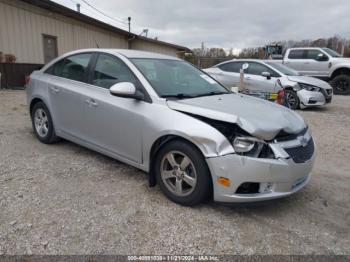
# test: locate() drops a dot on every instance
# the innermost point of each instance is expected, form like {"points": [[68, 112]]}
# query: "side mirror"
{"points": [[127, 90], [266, 74], [321, 57]]}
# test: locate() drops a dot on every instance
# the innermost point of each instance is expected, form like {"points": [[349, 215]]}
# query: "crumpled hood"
{"points": [[310, 80], [258, 117]]}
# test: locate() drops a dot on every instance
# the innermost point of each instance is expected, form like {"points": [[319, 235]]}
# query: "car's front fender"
{"points": [[164, 121]]}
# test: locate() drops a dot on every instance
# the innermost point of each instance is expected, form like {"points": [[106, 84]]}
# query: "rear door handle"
{"points": [[55, 89], [91, 102]]}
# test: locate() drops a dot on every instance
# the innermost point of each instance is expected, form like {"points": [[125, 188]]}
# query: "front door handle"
{"points": [[247, 78]]}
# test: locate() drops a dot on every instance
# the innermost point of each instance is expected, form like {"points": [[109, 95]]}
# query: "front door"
{"points": [[313, 65], [256, 82], [113, 123], [50, 48]]}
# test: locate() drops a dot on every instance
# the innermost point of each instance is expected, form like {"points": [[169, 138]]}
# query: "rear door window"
{"points": [[73, 67], [233, 67], [297, 54]]}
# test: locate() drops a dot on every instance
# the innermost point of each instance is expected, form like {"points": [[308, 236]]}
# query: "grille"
{"points": [[326, 92], [301, 154], [282, 136]]}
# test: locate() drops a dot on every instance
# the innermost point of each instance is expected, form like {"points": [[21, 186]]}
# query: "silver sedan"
{"points": [[269, 77], [196, 139]]}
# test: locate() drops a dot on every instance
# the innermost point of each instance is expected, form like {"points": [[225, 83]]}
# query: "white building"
{"points": [[36, 31]]}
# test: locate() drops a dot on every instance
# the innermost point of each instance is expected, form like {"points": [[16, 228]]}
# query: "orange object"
{"points": [[224, 181]]}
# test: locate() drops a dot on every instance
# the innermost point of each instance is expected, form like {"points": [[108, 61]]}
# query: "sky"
{"points": [[224, 23]]}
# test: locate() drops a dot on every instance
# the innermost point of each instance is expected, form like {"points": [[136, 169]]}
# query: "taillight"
{"points": [[281, 97], [27, 80]]}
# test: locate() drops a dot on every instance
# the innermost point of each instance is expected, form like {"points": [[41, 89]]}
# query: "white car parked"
{"points": [[268, 76]]}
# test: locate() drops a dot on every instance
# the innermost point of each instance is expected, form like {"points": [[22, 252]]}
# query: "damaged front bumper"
{"points": [[266, 178], [314, 98]]}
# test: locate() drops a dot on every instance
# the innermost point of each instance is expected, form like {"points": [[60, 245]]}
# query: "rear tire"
{"points": [[182, 173], [341, 85], [43, 125], [292, 99]]}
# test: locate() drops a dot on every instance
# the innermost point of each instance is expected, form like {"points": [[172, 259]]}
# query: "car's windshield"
{"points": [[283, 69], [175, 78], [331, 52]]}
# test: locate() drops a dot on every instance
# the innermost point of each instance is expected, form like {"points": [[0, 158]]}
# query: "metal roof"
{"points": [[57, 8], [125, 52]]}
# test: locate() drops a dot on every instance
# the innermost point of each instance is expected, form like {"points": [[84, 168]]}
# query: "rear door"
{"points": [[229, 73], [113, 123], [296, 59], [66, 84]]}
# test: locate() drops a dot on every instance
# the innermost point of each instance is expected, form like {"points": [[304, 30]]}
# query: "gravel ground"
{"points": [[65, 199]]}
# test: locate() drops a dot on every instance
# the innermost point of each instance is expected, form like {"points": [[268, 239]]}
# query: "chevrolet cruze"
{"points": [[196, 139]]}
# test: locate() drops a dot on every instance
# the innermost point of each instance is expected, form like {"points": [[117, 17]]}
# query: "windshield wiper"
{"points": [[212, 94], [179, 96]]}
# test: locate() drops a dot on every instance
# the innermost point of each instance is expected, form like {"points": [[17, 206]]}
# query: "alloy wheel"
{"points": [[41, 122], [178, 173], [290, 100], [341, 85]]}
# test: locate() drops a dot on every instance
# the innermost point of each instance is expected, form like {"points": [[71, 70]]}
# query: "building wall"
{"points": [[22, 26], [141, 44]]}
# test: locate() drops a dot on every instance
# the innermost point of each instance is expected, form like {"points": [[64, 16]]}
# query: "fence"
{"points": [[13, 74]]}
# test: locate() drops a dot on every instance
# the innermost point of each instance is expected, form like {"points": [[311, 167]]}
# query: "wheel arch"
{"points": [[343, 70], [33, 102], [158, 144]]}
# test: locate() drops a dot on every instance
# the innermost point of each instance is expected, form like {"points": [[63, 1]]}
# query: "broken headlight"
{"points": [[308, 87], [248, 146]]}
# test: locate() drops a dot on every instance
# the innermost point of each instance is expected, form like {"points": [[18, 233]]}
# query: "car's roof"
{"points": [[241, 60], [129, 53], [295, 48]]}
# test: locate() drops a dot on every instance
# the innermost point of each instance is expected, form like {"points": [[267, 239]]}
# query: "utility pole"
{"points": [[78, 8], [129, 21]]}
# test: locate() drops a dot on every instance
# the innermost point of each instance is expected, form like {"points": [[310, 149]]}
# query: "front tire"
{"points": [[341, 85], [183, 174], [42, 124], [292, 99]]}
